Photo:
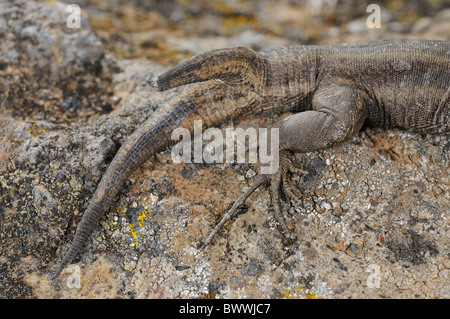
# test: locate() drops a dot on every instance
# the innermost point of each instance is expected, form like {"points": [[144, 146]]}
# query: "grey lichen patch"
{"points": [[42, 189], [158, 278]]}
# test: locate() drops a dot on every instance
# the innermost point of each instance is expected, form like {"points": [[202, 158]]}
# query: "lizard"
{"points": [[330, 91]]}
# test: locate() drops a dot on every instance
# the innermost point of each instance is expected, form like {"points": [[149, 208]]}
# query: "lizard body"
{"points": [[331, 90]]}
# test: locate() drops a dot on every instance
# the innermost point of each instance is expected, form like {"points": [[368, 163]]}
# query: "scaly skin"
{"points": [[332, 90]]}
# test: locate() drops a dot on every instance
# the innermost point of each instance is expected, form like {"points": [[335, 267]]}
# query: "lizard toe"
{"points": [[290, 192], [278, 184], [260, 179]]}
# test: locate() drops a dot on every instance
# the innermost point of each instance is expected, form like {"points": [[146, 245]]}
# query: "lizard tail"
{"points": [[92, 214], [237, 66], [213, 104], [150, 138]]}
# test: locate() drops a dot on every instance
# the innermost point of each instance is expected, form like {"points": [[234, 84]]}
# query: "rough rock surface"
{"points": [[373, 220]]}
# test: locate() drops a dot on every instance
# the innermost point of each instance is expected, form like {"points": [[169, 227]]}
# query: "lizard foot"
{"points": [[278, 183]]}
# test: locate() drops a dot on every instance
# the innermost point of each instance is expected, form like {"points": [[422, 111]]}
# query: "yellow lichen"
{"points": [[300, 293], [129, 228]]}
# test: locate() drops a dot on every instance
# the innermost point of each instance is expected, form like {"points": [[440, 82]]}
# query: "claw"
{"points": [[290, 193], [275, 188]]}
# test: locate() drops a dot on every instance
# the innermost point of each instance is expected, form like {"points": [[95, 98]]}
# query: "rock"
{"points": [[98, 150], [421, 25], [45, 62], [42, 197], [31, 152], [377, 202], [38, 32]]}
